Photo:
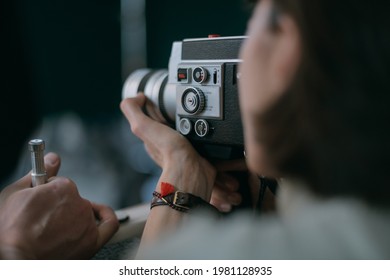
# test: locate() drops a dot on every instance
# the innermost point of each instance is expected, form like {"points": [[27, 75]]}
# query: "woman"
{"points": [[313, 97]]}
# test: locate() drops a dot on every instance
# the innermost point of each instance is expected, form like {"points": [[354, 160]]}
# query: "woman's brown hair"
{"points": [[331, 128]]}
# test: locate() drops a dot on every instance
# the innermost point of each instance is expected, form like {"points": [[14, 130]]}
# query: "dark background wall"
{"points": [[171, 20], [75, 50], [16, 89], [73, 47], [57, 56]]}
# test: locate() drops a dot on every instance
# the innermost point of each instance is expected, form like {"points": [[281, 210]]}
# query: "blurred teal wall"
{"points": [[171, 20], [74, 47]]}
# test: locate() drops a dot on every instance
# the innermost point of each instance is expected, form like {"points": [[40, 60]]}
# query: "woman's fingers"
{"points": [[162, 142]]}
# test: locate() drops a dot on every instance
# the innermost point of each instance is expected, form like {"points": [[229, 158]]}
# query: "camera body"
{"points": [[198, 94]]}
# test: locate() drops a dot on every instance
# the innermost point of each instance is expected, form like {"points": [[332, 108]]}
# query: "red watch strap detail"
{"points": [[166, 189]]}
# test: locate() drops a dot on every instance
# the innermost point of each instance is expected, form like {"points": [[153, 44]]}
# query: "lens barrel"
{"points": [[161, 103]]}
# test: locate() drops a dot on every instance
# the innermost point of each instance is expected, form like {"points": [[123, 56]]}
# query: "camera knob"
{"points": [[201, 128], [185, 126], [200, 75], [193, 100]]}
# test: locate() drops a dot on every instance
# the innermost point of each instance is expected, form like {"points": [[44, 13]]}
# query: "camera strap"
{"points": [[264, 183]]}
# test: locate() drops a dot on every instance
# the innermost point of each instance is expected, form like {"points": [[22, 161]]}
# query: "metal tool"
{"points": [[38, 174]]}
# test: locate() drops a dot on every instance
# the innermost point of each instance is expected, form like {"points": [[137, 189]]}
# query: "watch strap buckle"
{"points": [[181, 199]]}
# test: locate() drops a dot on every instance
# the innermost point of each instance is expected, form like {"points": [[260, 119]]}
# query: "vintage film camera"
{"points": [[198, 94]]}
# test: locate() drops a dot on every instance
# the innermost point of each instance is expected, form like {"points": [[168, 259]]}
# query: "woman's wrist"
{"points": [[192, 176]]}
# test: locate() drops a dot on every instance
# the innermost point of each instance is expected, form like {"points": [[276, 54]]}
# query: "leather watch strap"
{"points": [[157, 202], [182, 201]]}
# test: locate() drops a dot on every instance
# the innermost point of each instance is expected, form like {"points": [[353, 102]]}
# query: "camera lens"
{"points": [[161, 97]]}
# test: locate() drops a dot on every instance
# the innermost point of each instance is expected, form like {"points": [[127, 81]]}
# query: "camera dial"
{"points": [[200, 75], [193, 100], [201, 128]]}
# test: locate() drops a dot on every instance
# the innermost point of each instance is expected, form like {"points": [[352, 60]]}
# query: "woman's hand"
{"points": [[182, 166], [51, 221], [225, 193]]}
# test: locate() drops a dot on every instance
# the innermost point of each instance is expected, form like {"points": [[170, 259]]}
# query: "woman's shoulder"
{"points": [[314, 229]]}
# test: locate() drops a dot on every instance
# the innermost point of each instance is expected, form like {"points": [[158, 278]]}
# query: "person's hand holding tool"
{"points": [[50, 220]]}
